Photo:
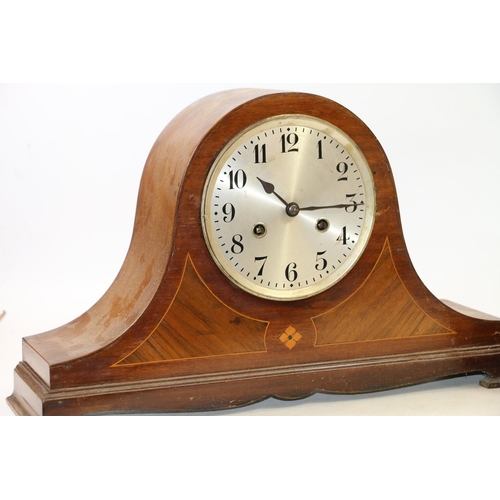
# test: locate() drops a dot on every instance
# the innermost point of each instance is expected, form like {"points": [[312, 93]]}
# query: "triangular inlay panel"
{"points": [[380, 309], [197, 324]]}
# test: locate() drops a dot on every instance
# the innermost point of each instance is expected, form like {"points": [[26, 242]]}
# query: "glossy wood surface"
{"points": [[173, 334]]}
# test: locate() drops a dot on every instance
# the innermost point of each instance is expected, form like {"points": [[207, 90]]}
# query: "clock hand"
{"points": [[269, 189], [341, 205], [292, 208]]}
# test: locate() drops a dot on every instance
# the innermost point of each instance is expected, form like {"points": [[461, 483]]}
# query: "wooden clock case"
{"points": [[173, 334]]}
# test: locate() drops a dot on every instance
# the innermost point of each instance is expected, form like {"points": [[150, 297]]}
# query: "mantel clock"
{"points": [[267, 260]]}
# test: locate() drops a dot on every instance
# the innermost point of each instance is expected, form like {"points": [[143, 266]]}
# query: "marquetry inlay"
{"points": [[290, 337]]}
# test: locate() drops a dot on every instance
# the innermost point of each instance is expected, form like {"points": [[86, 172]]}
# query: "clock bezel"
{"points": [[355, 152]]}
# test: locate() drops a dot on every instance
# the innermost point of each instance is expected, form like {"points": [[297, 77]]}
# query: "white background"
{"points": [[66, 151], [71, 159]]}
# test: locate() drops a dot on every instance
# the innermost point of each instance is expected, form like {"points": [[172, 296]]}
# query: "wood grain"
{"points": [[197, 324], [173, 334], [381, 308]]}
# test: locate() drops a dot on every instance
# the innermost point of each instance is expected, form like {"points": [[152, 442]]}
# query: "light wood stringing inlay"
{"points": [[380, 309], [198, 324]]}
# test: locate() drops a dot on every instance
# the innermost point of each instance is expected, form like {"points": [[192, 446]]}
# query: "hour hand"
{"points": [[269, 189]]}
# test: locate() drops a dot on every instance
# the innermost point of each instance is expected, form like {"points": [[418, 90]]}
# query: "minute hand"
{"points": [[341, 205]]}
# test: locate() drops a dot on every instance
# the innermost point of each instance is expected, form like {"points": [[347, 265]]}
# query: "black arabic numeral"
{"points": [[321, 263], [291, 273], [342, 169], [320, 150], [343, 237], [354, 207], [237, 179], [290, 139], [229, 212], [260, 154], [259, 259], [237, 247]]}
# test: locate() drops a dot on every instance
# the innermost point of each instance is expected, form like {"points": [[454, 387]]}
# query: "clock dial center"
{"points": [[292, 209]]}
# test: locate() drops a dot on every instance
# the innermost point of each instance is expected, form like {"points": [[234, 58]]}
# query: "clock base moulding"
{"points": [[174, 334]]}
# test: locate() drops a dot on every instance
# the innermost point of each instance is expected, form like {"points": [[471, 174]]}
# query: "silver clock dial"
{"points": [[288, 207]]}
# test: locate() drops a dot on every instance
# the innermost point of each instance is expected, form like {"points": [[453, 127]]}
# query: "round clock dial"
{"points": [[288, 207]]}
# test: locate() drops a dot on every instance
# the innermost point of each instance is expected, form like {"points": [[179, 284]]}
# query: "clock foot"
{"points": [[490, 382]]}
